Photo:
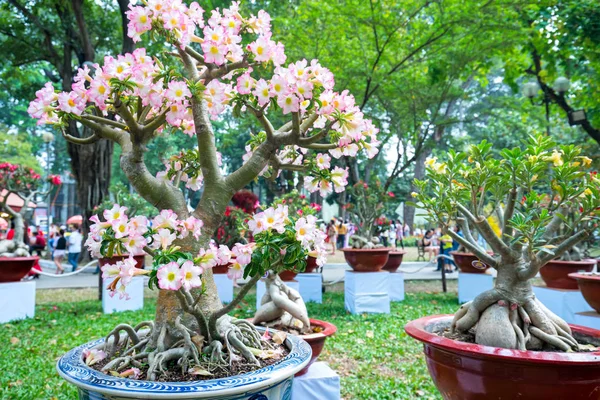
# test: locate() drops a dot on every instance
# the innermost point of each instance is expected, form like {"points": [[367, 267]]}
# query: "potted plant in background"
{"points": [[192, 334], [299, 205], [282, 308], [556, 273], [25, 183], [365, 206], [519, 347]]}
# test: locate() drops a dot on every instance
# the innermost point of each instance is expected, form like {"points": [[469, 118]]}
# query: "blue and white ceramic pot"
{"points": [[270, 383]]}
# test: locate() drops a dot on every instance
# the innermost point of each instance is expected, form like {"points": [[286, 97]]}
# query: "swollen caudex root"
{"points": [[528, 326], [10, 248], [137, 348], [282, 306]]}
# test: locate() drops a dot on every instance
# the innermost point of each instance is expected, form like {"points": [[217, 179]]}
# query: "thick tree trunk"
{"points": [[91, 166]]}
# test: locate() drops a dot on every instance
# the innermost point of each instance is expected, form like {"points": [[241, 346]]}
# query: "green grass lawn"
{"points": [[371, 353]]}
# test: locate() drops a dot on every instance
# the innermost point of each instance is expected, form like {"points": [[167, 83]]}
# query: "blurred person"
{"points": [[331, 235], [60, 249], [74, 241]]}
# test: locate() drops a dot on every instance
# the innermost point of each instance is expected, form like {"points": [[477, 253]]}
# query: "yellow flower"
{"points": [[430, 161], [470, 159], [586, 161], [575, 164], [533, 158], [587, 192], [534, 178], [414, 194], [440, 168], [556, 158]]}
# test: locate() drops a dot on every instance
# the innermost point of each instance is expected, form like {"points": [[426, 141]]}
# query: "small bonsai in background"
{"points": [[366, 205], [530, 189], [27, 185]]}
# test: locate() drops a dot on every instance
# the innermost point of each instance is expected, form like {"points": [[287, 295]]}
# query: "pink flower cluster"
{"points": [[336, 180], [307, 233]]}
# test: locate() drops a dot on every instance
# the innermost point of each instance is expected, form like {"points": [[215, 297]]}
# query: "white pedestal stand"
{"points": [[319, 382], [17, 301], [471, 285], [261, 288], [367, 292], [224, 287], [396, 286], [563, 302], [311, 287], [135, 290]]}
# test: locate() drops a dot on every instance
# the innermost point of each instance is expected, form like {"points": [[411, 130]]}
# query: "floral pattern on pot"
{"points": [[273, 382]]}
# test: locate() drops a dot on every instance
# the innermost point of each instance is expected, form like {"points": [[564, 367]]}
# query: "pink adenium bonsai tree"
{"points": [[530, 190], [27, 185], [232, 64]]}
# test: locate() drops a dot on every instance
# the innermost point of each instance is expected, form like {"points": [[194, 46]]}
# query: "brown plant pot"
{"points": [[317, 340], [140, 260], [366, 260], [287, 275], [394, 260], [464, 261], [590, 288], [311, 264], [221, 269], [468, 371], [556, 273], [13, 269]]}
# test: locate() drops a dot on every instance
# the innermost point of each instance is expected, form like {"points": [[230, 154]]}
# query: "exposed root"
{"points": [[160, 360], [282, 305], [501, 323], [475, 308]]}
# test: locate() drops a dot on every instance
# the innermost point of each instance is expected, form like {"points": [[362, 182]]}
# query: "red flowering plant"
{"points": [[27, 184], [231, 230], [366, 204], [298, 204], [531, 190]]}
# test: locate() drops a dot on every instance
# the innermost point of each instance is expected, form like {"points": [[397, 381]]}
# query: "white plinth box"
{"points": [[320, 382], [563, 302], [367, 292], [396, 286], [471, 285], [17, 301], [135, 290], [311, 287], [261, 288], [224, 287]]}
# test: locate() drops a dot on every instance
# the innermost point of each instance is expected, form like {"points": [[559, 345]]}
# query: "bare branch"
{"points": [[82, 141]]}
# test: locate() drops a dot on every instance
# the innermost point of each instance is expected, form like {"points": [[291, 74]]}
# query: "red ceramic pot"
{"points": [[394, 260], [311, 264], [287, 275], [221, 269], [140, 260], [467, 371], [590, 288], [366, 260], [13, 269], [465, 262], [317, 340], [556, 273]]}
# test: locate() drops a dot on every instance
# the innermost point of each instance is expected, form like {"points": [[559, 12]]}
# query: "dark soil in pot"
{"points": [[316, 337], [174, 374]]}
